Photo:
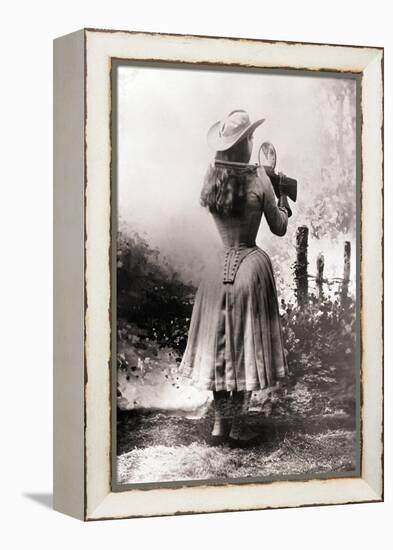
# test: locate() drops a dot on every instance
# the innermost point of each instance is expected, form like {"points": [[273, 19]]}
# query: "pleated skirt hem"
{"points": [[210, 385]]}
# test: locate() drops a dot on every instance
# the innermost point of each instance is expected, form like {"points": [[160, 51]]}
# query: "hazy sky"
{"points": [[163, 118]]}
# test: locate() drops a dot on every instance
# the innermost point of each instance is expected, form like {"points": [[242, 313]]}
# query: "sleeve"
{"points": [[276, 215]]}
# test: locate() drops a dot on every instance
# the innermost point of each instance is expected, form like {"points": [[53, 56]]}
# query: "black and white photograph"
{"points": [[237, 350]]}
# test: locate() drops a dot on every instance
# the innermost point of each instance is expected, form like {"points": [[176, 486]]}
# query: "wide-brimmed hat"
{"points": [[226, 133]]}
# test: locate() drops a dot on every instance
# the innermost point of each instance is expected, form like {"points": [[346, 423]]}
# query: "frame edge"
{"points": [[68, 271]]}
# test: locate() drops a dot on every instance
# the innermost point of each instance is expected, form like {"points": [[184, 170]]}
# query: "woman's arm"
{"points": [[276, 216]]}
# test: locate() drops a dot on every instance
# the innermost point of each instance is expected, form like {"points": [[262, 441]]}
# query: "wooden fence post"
{"points": [[347, 271], [319, 277], [347, 261], [301, 275]]}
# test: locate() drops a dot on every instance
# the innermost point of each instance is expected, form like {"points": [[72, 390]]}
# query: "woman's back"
{"points": [[238, 230]]}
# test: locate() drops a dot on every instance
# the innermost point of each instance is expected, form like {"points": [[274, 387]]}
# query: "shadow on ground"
{"points": [[45, 499]]}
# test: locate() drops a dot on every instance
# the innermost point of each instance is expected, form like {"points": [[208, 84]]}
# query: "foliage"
{"points": [[320, 339], [324, 329], [151, 298]]}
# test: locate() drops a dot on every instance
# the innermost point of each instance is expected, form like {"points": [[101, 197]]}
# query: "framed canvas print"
{"points": [[218, 335]]}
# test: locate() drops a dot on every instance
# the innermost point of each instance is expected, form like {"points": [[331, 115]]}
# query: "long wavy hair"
{"points": [[223, 190]]}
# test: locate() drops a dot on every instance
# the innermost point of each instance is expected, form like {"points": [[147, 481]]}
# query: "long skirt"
{"points": [[235, 339]]}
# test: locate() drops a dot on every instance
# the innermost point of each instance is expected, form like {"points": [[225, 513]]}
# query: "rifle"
{"points": [[282, 184]]}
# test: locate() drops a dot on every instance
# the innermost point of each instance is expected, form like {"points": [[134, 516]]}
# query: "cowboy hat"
{"points": [[225, 133]]}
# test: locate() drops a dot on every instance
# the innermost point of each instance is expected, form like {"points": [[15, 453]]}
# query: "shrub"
{"points": [[151, 295], [324, 329]]}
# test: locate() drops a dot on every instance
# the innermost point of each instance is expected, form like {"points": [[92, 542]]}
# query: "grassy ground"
{"points": [[308, 428], [168, 448]]}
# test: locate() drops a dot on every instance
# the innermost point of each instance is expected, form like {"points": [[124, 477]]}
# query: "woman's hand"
{"points": [[283, 203]]}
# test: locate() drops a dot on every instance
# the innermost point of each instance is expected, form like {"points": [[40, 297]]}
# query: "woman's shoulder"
{"points": [[259, 182], [262, 177]]}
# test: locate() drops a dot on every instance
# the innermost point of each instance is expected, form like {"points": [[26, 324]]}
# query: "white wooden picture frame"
{"points": [[82, 259]]}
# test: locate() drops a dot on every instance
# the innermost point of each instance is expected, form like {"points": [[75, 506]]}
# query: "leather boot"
{"points": [[222, 415], [241, 434]]}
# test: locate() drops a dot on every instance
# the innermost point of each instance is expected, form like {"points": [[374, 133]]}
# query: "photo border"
{"points": [[115, 65]]}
